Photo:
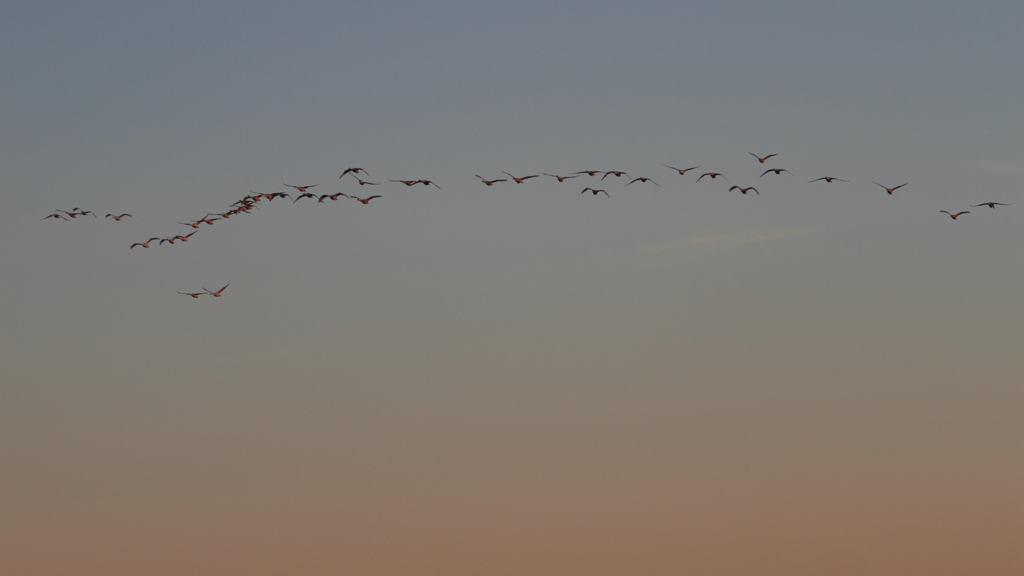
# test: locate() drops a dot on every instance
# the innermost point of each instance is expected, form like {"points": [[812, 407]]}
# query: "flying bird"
{"points": [[520, 180], [490, 182], [55, 215], [560, 178], [713, 175], [682, 171], [332, 197], [365, 200], [644, 179], [145, 244], [117, 218], [954, 216], [194, 294], [760, 159], [406, 182], [364, 182], [588, 172], [353, 171], [777, 171], [891, 190], [989, 204], [302, 188], [585, 190], [616, 173], [303, 195], [217, 293], [828, 179], [744, 190], [429, 183]]}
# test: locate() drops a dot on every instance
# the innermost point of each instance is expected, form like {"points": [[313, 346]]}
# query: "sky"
{"points": [[516, 379]]}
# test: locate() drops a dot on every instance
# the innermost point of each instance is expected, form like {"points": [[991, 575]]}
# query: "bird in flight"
{"points": [[490, 182], [744, 190], [406, 182], [118, 218], [364, 182], [713, 175], [682, 171], [183, 238], [302, 188], [332, 197], [616, 173], [644, 179], [428, 183], [194, 294], [365, 200], [989, 204], [777, 171], [301, 196], [890, 190], [954, 216], [828, 179], [145, 244], [760, 159], [353, 171], [218, 292], [585, 190], [520, 180], [560, 178], [55, 215], [588, 172]]}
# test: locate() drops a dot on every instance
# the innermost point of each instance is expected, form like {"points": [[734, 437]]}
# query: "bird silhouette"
{"points": [[955, 216], [520, 180], [744, 190], [760, 159], [490, 182], [890, 190], [218, 292], [585, 190], [989, 204], [682, 171]]}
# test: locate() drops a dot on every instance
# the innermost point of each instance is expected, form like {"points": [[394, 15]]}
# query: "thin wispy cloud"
{"points": [[718, 241]]}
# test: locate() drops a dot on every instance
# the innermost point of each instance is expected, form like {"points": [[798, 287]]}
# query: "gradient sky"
{"points": [[516, 379]]}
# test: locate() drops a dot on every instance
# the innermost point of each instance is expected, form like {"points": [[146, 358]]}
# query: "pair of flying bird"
{"points": [[205, 291]]}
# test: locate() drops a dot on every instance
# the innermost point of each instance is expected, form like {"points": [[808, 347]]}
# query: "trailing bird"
{"points": [[954, 216], [585, 190], [588, 172], [364, 182], [616, 173], [55, 215], [828, 179], [989, 204], [406, 182], [744, 190], [194, 294], [365, 200], [117, 218], [760, 159], [429, 183], [777, 171]]}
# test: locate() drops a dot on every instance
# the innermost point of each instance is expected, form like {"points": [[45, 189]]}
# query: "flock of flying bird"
{"points": [[246, 204]]}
